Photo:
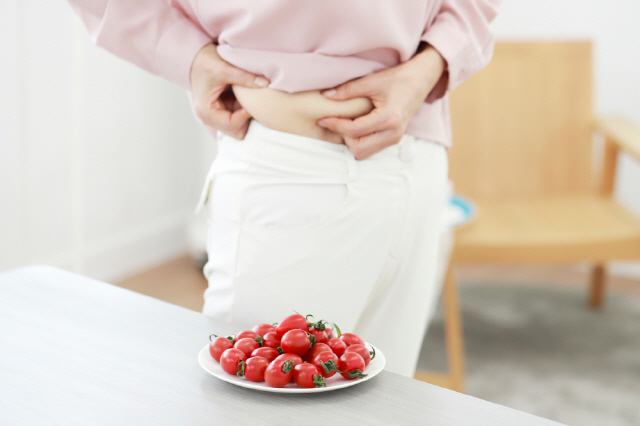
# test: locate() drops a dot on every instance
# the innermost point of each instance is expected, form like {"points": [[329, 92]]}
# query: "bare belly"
{"points": [[298, 113]]}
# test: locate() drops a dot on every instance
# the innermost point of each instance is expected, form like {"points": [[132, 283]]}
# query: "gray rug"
{"points": [[541, 350]]}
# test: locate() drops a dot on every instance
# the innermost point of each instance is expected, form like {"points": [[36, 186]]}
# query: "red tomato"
{"points": [[291, 357], [246, 345], [219, 345], [307, 376], [262, 329], [327, 363], [291, 323], [351, 365], [271, 340], [351, 339], [269, 353], [362, 351], [337, 346], [246, 333], [317, 348], [279, 373], [255, 368], [296, 341], [319, 335], [232, 361]]}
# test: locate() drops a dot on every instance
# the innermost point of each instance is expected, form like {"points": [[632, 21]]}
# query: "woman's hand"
{"points": [[396, 94], [213, 100]]}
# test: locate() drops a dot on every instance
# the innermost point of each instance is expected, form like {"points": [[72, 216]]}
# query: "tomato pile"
{"points": [[295, 349]]}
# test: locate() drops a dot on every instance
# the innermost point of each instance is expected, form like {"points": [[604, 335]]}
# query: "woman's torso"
{"points": [[310, 46], [298, 113]]}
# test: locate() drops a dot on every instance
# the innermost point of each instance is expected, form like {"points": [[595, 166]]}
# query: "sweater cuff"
{"points": [[177, 49], [466, 50]]}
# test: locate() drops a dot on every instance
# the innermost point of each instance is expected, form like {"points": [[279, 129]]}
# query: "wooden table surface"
{"points": [[75, 351]]}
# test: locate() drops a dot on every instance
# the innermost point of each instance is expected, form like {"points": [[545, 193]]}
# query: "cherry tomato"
{"points": [[296, 341], [289, 356], [337, 346], [317, 348], [271, 340], [307, 376], [362, 351], [327, 363], [246, 333], [269, 353], [219, 345], [351, 339], [351, 365], [320, 335], [232, 361], [246, 345], [291, 323], [279, 373], [262, 329], [255, 368]]}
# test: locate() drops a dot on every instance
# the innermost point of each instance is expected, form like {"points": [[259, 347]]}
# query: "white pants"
{"points": [[298, 225]]}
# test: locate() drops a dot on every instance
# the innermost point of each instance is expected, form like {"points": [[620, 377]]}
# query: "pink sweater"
{"points": [[301, 44]]}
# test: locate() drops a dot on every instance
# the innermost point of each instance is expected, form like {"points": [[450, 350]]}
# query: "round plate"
{"points": [[211, 366]]}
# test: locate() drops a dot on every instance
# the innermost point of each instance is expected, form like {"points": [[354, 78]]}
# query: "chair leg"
{"points": [[597, 285], [453, 331]]}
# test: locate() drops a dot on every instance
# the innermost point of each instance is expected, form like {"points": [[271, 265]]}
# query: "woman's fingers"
{"points": [[233, 122], [239, 123], [213, 101], [396, 94], [366, 146], [385, 120], [368, 134], [365, 87], [230, 75]]}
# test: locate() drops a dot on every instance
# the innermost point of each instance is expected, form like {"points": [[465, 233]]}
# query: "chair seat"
{"points": [[554, 229]]}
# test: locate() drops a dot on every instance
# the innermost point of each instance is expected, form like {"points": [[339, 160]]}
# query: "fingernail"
{"points": [[329, 93], [322, 123], [261, 82]]}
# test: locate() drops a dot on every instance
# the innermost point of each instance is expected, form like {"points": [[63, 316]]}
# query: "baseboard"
{"points": [[621, 269], [126, 253], [625, 269]]}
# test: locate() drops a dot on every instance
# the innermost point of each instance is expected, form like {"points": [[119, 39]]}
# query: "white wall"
{"points": [[100, 162], [614, 28]]}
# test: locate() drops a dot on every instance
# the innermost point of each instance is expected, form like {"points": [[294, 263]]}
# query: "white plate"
{"points": [[210, 365]]}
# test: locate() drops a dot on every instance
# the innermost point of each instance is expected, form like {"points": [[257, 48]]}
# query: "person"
{"points": [[332, 127]]}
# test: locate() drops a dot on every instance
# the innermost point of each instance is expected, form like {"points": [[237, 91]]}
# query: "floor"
{"points": [[180, 281]]}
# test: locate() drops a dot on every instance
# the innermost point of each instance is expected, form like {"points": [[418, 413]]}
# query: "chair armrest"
{"points": [[622, 132]]}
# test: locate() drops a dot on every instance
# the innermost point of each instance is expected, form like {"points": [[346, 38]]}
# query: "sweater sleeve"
{"points": [[160, 36], [460, 33]]}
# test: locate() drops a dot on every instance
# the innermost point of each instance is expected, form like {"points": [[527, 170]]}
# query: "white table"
{"points": [[75, 351]]}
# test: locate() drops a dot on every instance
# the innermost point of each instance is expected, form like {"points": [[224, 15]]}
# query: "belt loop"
{"points": [[206, 190], [407, 150], [351, 163]]}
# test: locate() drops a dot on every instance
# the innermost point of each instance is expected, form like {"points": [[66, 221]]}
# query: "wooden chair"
{"points": [[523, 151]]}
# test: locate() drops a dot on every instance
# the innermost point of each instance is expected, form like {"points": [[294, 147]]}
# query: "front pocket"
{"points": [[286, 205]]}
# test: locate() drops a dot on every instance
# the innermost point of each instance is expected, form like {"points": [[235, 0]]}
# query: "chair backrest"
{"points": [[522, 126]]}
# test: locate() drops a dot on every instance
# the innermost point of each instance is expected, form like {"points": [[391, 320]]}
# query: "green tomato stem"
{"points": [[241, 367], [330, 366], [287, 366], [318, 381], [356, 374]]}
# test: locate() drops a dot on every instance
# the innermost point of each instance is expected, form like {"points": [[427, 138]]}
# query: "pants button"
{"points": [[407, 153]]}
